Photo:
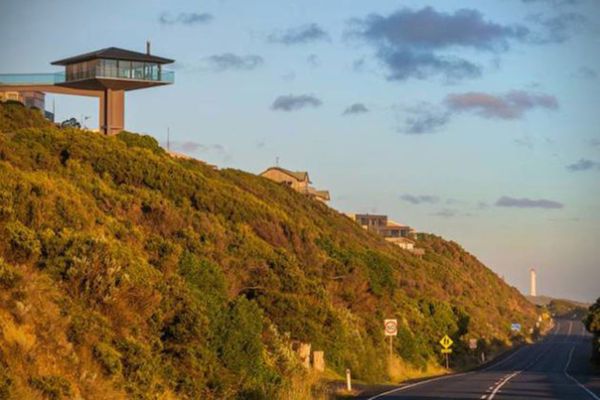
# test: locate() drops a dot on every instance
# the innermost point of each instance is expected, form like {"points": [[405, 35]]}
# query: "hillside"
{"points": [[127, 273]]}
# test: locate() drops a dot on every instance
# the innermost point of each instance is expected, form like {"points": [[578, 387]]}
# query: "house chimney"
{"points": [[148, 47]]}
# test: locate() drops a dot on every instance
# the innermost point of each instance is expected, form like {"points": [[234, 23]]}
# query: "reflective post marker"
{"points": [[348, 380]]}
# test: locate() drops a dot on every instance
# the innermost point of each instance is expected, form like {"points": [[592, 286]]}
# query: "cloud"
{"points": [[295, 102], [409, 42], [404, 64], [424, 118], [356, 108], [429, 118], [555, 29], [185, 18], [230, 61], [506, 201], [525, 141], [299, 35], [313, 60], [583, 165], [594, 142], [511, 105], [446, 213], [553, 2], [420, 199], [586, 73]]}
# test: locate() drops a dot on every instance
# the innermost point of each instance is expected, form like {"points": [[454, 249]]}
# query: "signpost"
{"points": [[473, 344], [446, 343], [391, 330]]}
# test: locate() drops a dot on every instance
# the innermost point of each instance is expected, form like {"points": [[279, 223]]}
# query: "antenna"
{"points": [[277, 161]]}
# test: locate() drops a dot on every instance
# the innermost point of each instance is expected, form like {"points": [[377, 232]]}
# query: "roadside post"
{"points": [[473, 348], [446, 343], [348, 380], [391, 330]]}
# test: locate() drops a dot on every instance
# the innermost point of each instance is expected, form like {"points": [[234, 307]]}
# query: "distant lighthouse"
{"points": [[532, 283]]}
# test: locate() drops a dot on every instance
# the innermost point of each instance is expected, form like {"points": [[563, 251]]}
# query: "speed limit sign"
{"points": [[391, 327]]}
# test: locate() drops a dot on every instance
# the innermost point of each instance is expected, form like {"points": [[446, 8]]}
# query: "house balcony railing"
{"points": [[54, 78]]}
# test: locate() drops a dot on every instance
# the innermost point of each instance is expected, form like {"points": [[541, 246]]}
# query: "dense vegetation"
{"points": [[127, 273], [566, 309], [592, 323]]}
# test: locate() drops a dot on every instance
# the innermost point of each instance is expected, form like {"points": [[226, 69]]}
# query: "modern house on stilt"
{"points": [[106, 74]]}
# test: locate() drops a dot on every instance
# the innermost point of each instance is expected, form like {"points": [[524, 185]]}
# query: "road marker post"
{"points": [[348, 380]]}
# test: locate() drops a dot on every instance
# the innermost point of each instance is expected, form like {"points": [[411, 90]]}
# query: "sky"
{"points": [[477, 121]]}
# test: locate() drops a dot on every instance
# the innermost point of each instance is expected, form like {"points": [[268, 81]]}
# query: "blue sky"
{"points": [[474, 120]]}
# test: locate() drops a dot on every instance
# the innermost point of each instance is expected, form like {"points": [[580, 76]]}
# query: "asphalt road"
{"points": [[555, 368]]}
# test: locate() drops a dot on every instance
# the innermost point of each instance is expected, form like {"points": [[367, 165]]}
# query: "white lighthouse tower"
{"points": [[532, 283]]}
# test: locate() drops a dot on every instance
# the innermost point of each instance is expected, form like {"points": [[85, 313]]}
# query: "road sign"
{"points": [[515, 327], [391, 327], [446, 342], [446, 351], [473, 344]]}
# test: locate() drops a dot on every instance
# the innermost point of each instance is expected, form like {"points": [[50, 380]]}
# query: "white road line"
{"points": [[400, 389], [588, 391], [570, 328], [508, 378]]}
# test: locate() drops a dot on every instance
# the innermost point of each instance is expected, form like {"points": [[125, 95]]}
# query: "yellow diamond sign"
{"points": [[446, 342]]}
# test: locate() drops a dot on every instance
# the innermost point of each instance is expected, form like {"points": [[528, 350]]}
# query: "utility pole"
{"points": [[168, 139]]}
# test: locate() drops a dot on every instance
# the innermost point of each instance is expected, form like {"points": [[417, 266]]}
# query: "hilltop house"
{"points": [[402, 236], [29, 98], [297, 180]]}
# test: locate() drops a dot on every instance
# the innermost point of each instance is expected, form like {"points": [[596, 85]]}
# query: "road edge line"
{"points": [[439, 378], [588, 391]]}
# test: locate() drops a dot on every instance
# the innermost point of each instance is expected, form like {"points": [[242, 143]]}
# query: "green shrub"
{"points": [[142, 141], [52, 387], [592, 323], [5, 383], [9, 276], [22, 242], [109, 358]]}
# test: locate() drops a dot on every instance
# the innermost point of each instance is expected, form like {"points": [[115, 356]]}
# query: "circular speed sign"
{"points": [[391, 327]]}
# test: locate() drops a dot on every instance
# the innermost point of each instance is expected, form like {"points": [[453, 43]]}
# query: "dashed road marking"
{"points": [[504, 381]]}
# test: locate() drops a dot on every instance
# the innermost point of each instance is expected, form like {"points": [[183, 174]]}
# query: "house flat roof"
{"points": [[114, 53]]}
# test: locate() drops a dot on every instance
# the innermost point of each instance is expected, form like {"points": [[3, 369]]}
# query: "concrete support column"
{"points": [[112, 111]]}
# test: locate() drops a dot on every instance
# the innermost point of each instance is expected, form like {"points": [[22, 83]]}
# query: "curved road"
{"points": [[555, 368]]}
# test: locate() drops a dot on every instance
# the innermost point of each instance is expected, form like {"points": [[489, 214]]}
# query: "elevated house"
{"points": [[105, 74], [297, 180], [401, 235]]}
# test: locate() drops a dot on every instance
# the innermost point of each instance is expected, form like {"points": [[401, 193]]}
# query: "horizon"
{"points": [[483, 132]]}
